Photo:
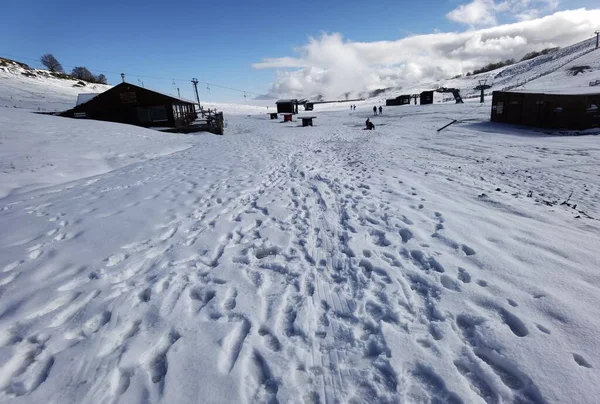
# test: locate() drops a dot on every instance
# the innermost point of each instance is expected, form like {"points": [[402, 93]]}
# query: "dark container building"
{"points": [[287, 106], [426, 97], [547, 110], [400, 100]]}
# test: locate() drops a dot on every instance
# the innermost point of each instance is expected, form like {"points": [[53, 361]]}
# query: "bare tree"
{"points": [[82, 73], [347, 94], [51, 63], [101, 79]]}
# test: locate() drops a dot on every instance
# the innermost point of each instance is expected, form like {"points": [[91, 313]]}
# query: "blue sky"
{"points": [[215, 41]]}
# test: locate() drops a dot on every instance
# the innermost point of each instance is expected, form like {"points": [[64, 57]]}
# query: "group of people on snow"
{"points": [[368, 124]]}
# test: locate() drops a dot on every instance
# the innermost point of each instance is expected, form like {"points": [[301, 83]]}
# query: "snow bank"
{"points": [[39, 150]]}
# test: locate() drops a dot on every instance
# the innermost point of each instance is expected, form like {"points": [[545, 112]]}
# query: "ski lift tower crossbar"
{"points": [[482, 86], [195, 83]]}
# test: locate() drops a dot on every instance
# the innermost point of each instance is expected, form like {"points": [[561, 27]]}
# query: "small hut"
{"points": [[426, 97], [287, 106]]}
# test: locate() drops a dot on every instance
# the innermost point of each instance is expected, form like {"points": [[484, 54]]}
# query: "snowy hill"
{"points": [[38, 90], [537, 73]]}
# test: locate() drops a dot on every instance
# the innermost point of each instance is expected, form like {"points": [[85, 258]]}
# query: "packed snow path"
{"points": [[325, 264]]}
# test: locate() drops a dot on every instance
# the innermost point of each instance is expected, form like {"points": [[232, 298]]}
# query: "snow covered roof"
{"points": [[158, 92], [562, 91], [85, 97], [286, 101]]}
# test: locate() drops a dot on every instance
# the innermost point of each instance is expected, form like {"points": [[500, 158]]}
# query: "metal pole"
{"points": [[178, 93], [597, 35], [195, 82]]}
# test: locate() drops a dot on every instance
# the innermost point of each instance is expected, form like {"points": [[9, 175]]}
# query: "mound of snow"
{"points": [[40, 150]]}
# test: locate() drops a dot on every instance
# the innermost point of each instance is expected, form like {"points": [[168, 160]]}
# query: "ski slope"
{"points": [[543, 72], [288, 264]]}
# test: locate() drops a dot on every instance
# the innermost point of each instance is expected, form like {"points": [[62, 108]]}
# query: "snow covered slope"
{"points": [[565, 79], [289, 264], [538, 73], [37, 90]]}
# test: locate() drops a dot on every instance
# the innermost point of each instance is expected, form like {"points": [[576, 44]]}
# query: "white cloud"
{"points": [[486, 12], [477, 12], [330, 65]]}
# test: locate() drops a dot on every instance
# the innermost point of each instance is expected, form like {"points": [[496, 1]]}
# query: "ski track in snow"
{"points": [[318, 266]]}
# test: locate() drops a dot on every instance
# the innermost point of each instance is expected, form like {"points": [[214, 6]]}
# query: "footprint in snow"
{"points": [[35, 254], [468, 250], [463, 275], [543, 329], [580, 360], [167, 234]]}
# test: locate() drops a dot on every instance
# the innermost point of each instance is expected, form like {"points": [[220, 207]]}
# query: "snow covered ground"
{"points": [[288, 264], [37, 150]]}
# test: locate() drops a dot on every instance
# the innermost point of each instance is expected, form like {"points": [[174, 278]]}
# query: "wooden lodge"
{"points": [[547, 110], [134, 105]]}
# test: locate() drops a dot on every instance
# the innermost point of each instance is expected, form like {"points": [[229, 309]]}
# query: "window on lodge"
{"points": [[152, 114]]}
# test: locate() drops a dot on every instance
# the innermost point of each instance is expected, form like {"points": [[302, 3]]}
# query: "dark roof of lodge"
{"points": [[588, 90], [176, 100]]}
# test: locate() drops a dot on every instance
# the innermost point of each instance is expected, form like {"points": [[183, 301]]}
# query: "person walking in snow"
{"points": [[380, 110], [374, 110]]}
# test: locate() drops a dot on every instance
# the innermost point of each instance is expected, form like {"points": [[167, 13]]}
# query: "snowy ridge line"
{"points": [[564, 62]]}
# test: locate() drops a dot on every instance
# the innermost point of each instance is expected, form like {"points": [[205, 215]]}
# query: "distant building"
{"points": [[400, 100], [287, 106], [547, 110], [130, 104], [426, 97]]}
